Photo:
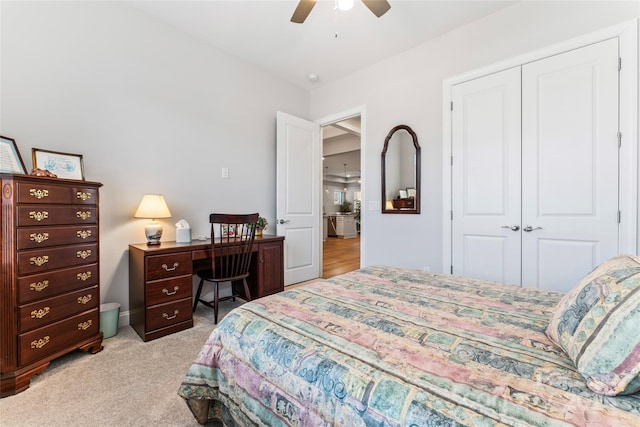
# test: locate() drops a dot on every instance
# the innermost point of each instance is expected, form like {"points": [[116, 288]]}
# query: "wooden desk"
{"points": [[161, 285]]}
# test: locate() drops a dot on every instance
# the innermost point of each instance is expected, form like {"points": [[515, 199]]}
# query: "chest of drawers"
{"points": [[49, 288]]}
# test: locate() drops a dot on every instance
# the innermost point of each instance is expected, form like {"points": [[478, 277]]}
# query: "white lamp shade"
{"points": [[153, 206]]}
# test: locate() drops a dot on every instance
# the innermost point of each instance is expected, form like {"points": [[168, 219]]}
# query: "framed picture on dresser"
{"points": [[10, 159], [64, 165]]}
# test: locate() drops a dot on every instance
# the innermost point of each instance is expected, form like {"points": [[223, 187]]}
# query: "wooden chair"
{"points": [[231, 241]]}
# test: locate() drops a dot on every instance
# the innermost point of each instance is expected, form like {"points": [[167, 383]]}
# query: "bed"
{"points": [[386, 346]]}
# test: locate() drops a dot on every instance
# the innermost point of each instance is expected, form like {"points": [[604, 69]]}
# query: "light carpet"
{"points": [[129, 383]]}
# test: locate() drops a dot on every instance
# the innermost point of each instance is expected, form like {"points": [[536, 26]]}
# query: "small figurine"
{"points": [[43, 172]]}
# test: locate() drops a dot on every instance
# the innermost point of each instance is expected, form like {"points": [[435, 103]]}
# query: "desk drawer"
{"points": [[171, 265], [45, 341], [167, 290], [47, 311], [164, 315]]}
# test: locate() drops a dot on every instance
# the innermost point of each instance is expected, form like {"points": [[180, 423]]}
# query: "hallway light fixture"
{"points": [[326, 190], [345, 177]]}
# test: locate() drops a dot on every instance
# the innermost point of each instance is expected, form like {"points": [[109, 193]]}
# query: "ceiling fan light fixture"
{"points": [[377, 7], [313, 78], [344, 4]]}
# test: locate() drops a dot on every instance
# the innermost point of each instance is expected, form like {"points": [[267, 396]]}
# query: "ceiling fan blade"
{"points": [[378, 7], [302, 11]]}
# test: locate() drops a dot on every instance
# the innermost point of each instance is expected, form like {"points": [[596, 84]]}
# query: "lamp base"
{"points": [[153, 231]]}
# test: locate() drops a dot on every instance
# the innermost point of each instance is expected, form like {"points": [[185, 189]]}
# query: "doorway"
{"points": [[341, 196]]}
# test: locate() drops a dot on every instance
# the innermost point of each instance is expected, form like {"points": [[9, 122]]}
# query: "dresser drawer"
{"points": [[164, 266], [36, 237], [46, 311], [29, 216], [41, 260], [167, 290], [56, 194], [164, 315], [45, 285], [45, 341]]}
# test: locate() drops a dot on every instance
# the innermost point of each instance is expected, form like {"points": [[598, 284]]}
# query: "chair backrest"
{"points": [[232, 238]]}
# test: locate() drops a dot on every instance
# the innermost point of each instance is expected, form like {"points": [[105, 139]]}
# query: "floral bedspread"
{"points": [[385, 346]]}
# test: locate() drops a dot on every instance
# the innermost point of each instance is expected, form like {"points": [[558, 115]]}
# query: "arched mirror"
{"points": [[401, 172]]}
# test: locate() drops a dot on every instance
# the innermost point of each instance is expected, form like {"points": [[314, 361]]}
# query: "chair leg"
{"points": [[233, 294], [197, 300], [215, 304], [246, 290]]}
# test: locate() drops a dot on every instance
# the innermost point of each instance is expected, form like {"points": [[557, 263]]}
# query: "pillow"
{"points": [[598, 325]]}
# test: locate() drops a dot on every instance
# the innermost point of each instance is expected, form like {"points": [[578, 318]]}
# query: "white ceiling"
{"points": [[329, 44]]}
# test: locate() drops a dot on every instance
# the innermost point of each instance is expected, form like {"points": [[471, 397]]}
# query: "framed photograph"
{"points": [[402, 194], [10, 159], [228, 230], [411, 192], [64, 165]]}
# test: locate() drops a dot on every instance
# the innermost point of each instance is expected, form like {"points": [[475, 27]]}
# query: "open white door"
{"points": [[298, 196]]}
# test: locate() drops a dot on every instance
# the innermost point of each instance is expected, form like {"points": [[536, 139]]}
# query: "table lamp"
{"points": [[153, 207]]}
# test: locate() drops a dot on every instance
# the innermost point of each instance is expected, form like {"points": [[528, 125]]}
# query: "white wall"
{"points": [[151, 109], [154, 110], [407, 89]]}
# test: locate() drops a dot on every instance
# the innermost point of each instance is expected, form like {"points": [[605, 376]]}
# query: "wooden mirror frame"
{"points": [[416, 202]]}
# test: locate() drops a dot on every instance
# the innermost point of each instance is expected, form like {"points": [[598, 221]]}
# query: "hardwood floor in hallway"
{"points": [[340, 256]]}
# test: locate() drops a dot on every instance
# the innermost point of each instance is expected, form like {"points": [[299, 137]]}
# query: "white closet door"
{"points": [[569, 165], [486, 177]]}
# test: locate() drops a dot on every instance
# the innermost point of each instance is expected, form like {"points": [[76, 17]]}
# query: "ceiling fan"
{"points": [[378, 7]]}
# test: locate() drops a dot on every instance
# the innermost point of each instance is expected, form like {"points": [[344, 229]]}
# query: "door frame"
{"points": [[627, 33], [329, 120]]}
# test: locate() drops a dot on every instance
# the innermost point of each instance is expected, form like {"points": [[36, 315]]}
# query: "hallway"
{"points": [[340, 256]]}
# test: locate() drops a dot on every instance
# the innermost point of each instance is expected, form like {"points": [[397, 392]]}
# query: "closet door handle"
{"points": [[512, 227], [529, 228]]}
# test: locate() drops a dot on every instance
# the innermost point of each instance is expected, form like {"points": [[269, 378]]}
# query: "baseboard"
{"points": [[123, 319]]}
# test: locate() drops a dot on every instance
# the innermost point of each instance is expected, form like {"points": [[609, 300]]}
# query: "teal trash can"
{"points": [[109, 314]]}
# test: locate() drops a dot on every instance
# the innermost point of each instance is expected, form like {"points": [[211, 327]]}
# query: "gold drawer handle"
{"points": [[39, 260], [175, 314], [39, 314], [39, 286], [166, 267], [83, 214], [166, 291], [83, 276], [38, 194], [38, 216], [85, 325], [83, 254], [41, 342], [85, 299], [82, 195], [83, 234], [39, 237]]}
